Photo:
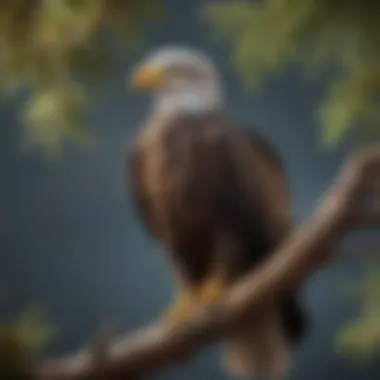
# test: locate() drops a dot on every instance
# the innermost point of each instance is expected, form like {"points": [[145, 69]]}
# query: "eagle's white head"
{"points": [[182, 79]]}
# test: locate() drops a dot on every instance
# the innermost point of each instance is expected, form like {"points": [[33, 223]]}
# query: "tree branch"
{"points": [[155, 347]]}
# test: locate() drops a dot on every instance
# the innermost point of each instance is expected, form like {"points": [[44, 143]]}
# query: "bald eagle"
{"points": [[215, 196]]}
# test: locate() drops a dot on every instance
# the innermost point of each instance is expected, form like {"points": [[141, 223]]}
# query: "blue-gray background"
{"points": [[69, 237]]}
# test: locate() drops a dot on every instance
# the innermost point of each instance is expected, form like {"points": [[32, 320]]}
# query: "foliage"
{"points": [[53, 50], [21, 340], [360, 338], [322, 34]]}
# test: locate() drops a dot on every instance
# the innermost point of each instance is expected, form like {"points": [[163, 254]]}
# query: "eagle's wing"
{"points": [[256, 206], [259, 203], [260, 143], [270, 155]]}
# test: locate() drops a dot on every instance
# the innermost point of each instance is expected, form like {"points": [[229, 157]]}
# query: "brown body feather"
{"points": [[216, 197]]}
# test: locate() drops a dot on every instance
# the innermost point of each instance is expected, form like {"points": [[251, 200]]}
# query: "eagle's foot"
{"points": [[212, 289], [180, 310]]}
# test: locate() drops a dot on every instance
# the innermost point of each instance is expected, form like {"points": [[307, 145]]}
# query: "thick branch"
{"points": [[155, 347], [160, 345]]}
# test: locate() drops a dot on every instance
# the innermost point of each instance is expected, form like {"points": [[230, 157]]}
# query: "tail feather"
{"points": [[295, 320], [263, 346]]}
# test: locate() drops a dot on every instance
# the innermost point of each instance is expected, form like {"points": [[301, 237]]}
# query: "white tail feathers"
{"points": [[259, 347]]}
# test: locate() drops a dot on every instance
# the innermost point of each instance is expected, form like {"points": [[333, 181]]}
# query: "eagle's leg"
{"points": [[222, 269], [182, 307], [192, 300], [212, 288]]}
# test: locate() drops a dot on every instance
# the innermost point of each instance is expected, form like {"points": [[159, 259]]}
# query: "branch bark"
{"points": [[155, 347]]}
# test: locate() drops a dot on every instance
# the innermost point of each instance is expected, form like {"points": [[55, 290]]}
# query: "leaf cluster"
{"points": [[343, 35], [53, 50]]}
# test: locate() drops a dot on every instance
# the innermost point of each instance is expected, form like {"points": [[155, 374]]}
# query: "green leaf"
{"points": [[21, 340]]}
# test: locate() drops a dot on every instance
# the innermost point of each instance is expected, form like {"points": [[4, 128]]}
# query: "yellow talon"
{"points": [[191, 301], [211, 289], [181, 309]]}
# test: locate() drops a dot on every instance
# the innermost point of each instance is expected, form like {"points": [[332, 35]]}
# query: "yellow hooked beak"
{"points": [[148, 77]]}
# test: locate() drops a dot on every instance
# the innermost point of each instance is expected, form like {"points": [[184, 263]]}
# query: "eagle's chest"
{"points": [[178, 174], [168, 163]]}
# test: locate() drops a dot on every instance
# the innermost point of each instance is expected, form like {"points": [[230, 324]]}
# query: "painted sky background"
{"points": [[69, 237]]}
